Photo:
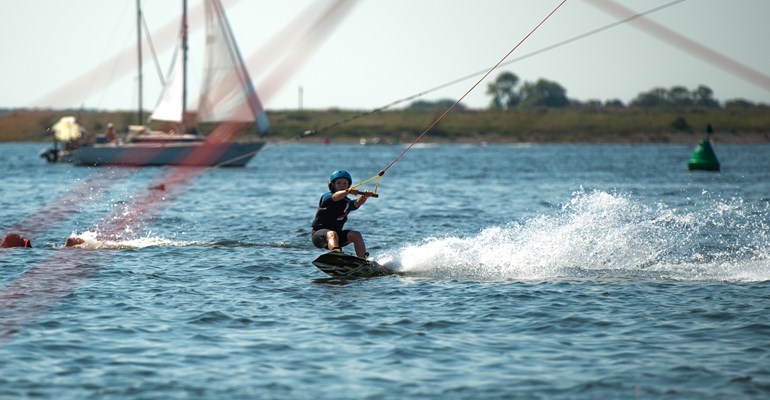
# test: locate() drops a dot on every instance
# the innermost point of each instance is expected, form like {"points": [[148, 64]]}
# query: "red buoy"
{"points": [[15, 240]]}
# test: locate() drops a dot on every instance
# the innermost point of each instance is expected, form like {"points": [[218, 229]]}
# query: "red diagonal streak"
{"points": [[35, 290], [688, 45], [69, 202]]}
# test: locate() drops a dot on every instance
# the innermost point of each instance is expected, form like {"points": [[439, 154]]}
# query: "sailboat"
{"points": [[227, 97]]}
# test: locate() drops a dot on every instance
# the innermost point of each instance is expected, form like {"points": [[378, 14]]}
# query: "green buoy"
{"points": [[704, 158]]}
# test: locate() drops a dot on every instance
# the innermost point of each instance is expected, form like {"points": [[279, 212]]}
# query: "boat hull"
{"points": [[189, 154]]}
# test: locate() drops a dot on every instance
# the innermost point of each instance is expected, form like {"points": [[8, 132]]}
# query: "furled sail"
{"points": [[227, 93]]}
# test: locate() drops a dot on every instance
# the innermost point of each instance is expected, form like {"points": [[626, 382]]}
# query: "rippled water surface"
{"points": [[524, 271]]}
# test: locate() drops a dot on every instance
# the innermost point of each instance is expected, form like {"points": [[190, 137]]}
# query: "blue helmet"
{"points": [[341, 173]]}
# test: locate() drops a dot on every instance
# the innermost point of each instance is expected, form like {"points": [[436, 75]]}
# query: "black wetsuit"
{"points": [[331, 216]]}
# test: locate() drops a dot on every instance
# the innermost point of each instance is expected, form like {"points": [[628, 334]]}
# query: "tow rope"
{"points": [[425, 132], [311, 132]]}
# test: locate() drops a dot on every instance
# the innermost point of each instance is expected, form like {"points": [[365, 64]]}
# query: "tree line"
{"points": [[508, 93]]}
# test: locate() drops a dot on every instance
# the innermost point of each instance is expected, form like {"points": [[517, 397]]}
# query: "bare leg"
{"points": [[332, 240], [358, 242]]}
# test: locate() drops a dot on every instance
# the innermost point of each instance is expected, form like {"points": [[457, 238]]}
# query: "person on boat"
{"points": [[110, 136], [332, 213]]}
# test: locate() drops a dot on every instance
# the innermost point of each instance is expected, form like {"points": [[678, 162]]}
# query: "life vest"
{"points": [[332, 214]]}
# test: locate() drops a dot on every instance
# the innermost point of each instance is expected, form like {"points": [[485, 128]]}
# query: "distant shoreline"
{"points": [[568, 125], [640, 138]]}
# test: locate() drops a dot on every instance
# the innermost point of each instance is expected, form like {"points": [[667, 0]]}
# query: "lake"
{"points": [[524, 271]]}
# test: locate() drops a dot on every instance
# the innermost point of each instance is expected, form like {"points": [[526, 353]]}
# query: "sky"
{"points": [[65, 54]]}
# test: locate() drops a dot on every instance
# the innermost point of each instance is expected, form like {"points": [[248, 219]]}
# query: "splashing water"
{"points": [[600, 235], [91, 241]]}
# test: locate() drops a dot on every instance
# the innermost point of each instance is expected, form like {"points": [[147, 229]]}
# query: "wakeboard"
{"points": [[342, 265]]}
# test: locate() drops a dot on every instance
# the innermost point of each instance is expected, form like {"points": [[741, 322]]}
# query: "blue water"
{"points": [[524, 271]]}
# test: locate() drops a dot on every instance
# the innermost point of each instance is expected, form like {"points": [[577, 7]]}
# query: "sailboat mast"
{"points": [[139, 58], [184, 66]]}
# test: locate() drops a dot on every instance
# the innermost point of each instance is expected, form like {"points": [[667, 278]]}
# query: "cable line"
{"points": [[382, 171], [509, 62]]}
